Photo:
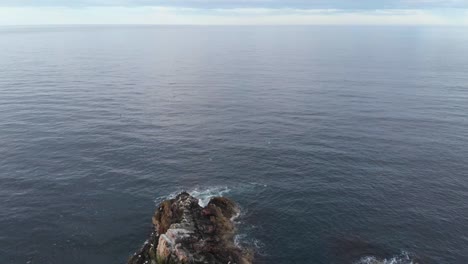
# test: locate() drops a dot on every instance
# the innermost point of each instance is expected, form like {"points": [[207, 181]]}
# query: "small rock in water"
{"points": [[185, 232]]}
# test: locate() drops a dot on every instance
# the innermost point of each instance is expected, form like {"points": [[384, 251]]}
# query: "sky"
{"points": [[235, 12]]}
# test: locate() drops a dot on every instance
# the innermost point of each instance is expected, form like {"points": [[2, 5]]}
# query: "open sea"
{"points": [[340, 144]]}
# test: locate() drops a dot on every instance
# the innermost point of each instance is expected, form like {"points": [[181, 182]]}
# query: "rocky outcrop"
{"points": [[184, 232]]}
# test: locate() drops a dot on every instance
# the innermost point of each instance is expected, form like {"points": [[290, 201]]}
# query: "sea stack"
{"points": [[185, 232]]}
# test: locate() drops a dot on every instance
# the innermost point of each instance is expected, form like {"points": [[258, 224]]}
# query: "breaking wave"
{"points": [[403, 258], [203, 195]]}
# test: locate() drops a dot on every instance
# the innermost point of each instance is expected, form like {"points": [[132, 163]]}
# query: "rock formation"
{"points": [[184, 232]]}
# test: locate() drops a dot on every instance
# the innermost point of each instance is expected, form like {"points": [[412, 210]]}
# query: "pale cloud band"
{"points": [[18, 15], [224, 4]]}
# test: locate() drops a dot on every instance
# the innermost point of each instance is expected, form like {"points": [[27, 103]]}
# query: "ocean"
{"points": [[341, 144]]}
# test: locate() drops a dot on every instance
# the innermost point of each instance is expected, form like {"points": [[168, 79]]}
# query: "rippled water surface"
{"points": [[341, 144]]}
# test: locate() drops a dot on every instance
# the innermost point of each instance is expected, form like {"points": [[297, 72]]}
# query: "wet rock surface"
{"points": [[184, 232]]}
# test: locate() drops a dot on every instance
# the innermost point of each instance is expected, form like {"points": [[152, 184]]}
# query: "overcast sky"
{"points": [[242, 12]]}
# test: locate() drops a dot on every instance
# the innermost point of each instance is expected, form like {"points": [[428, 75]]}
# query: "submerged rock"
{"points": [[184, 232]]}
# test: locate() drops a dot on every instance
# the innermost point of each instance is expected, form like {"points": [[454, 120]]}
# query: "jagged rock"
{"points": [[184, 232]]}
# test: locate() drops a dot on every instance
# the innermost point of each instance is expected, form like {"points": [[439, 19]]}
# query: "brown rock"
{"points": [[184, 232]]}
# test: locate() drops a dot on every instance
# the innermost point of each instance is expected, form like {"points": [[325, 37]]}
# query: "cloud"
{"points": [[234, 12], [225, 16], [227, 4]]}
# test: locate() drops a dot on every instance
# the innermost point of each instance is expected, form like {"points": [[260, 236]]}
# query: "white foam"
{"points": [[238, 238], [402, 258], [204, 195]]}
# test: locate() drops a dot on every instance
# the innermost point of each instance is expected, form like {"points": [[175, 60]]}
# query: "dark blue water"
{"points": [[336, 141]]}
